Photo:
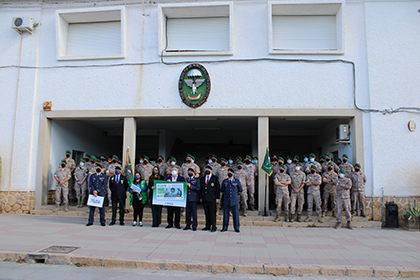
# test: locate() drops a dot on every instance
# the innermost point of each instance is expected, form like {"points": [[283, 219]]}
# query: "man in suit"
{"points": [[210, 195], [193, 185], [97, 187], [173, 209], [231, 189], [118, 186]]}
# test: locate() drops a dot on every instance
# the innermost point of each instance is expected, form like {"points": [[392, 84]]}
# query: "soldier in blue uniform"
{"points": [[193, 185], [97, 187], [231, 188]]}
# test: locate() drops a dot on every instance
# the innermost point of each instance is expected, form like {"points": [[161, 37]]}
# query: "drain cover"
{"points": [[59, 249]]}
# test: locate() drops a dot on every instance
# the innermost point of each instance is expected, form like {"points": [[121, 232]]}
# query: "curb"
{"points": [[269, 269]]}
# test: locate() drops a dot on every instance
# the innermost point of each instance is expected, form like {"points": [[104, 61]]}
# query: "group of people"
{"points": [[343, 185], [225, 184]]}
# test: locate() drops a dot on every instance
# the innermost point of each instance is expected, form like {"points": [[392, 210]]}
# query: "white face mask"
{"points": [[312, 159], [289, 161], [173, 163], [141, 161], [210, 161], [341, 175], [297, 168], [174, 173], [82, 164]]}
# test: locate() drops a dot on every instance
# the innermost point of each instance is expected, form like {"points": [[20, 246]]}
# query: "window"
{"points": [[88, 34], [306, 28], [202, 29]]}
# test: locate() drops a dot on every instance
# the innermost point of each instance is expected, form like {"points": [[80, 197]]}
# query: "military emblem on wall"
{"points": [[194, 85]]}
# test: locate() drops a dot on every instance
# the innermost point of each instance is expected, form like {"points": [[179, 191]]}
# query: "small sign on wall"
{"points": [[47, 106]]}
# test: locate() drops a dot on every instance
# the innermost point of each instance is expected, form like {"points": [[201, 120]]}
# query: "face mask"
{"points": [[67, 155], [174, 173], [312, 159], [207, 172], [345, 160], [114, 161], [275, 159], [239, 167], [230, 175], [297, 168], [223, 164], [330, 168], [255, 161], [192, 161], [305, 160], [357, 169], [173, 163], [145, 162], [328, 159], [210, 161], [87, 159], [63, 165], [102, 159], [280, 162], [289, 161], [141, 161], [82, 164], [159, 160], [281, 170], [188, 161], [137, 177], [117, 172], [295, 160], [313, 171], [98, 170], [92, 161], [230, 161], [190, 174], [321, 161], [341, 175], [154, 171], [247, 161]]}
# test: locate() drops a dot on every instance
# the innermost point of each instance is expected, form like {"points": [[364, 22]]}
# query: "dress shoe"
{"points": [[178, 227], [187, 228], [205, 228], [194, 228], [89, 224], [103, 224], [223, 230], [168, 226], [140, 224], [122, 223], [152, 225], [237, 230], [213, 230], [112, 223]]}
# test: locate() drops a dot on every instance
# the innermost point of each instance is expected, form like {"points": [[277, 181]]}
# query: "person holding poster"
{"points": [[156, 209], [97, 187], [193, 184], [174, 209], [138, 198]]}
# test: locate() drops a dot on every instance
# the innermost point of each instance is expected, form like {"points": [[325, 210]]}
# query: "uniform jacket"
{"points": [[232, 191], [211, 191], [194, 191], [314, 189], [343, 186], [118, 191], [358, 180], [98, 183]]}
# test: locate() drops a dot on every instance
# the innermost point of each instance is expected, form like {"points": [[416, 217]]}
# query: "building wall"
{"points": [[381, 38]]}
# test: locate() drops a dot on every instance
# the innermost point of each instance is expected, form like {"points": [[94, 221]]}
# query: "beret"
{"points": [[248, 156], [282, 165], [289, 157], [68, 152], [240, 163], [191, 156], [172, 158], [280, 158], [330, 163], [255, 157], [296, 156], [313, 166], [343, 171], [160, 157], [64, 161], [328, 155], [103, 155], [82, 160], [305, 156], [223, 159], [299, 163], [115, 156], [312, 155], [146, 157], [358, 165], [214, 156], [190, 169], [87, 155], [346, 156]]}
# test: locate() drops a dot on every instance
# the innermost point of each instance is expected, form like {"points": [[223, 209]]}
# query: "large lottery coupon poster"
{"points": [[170, 193]]}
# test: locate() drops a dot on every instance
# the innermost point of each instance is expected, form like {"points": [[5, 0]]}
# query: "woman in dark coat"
{"points": [[156, 209], [138, 199]]}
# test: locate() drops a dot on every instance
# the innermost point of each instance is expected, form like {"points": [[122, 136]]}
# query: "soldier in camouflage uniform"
{"points": [[214, 164], [70, 165], [243, 177], [343, 186], [171, 165], [80, 175], [147, 169], [297, 193], [88, 165], [313, 181], [290, 165], [190, 163], [326, 164], [109, 173], [346, 166], [62, 176], [250, 169], [161, 165], [104, 162], [358, 180], [139, 166], [311, 162], [281, 182], [329, 189]]}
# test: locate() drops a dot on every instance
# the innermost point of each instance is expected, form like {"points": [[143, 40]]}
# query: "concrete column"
{"points": [[162, 143], [263, 139], [356, 128], [43, 162], [129, 141]]}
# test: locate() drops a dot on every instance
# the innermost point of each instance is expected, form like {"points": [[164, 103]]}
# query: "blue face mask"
{"points": [[305, 160], [255, 162], [230, 161], [312, 159], [117, 172], [341, 175], [82, 164]]}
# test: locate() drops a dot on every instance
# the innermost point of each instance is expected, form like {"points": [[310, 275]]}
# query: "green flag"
{"points": [[266, 166], [128, 171]]}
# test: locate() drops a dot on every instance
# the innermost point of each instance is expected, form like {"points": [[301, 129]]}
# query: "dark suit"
{"points": [[192, 198], [174, 209], [97, 183], [209, 193], [118, 195], [231, 190]]}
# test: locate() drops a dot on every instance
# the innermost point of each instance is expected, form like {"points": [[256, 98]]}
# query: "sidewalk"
{"points": [[379, 252]]}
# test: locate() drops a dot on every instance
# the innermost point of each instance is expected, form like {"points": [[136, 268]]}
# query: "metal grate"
{"points": [[59, 249]]}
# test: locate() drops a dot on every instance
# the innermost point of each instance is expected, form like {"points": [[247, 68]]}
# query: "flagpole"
{"points": [[265, 195]]}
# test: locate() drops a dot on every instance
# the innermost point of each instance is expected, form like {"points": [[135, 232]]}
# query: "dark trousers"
{"points": [[92, 213], [191, 211], [137, 208], [156, 214], [210, 211], [235, 216], [120, 204], [171, 211]]}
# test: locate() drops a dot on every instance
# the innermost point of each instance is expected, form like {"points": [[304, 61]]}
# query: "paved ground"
{"points": [[392, 248]]}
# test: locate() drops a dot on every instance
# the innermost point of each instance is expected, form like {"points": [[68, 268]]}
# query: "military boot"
{"points": [[65, 208], [323, 214], [245, 214], [308, 219], [362, 213], [277, 219], [291, 218], [353, 213], [299, 218], [338, 225], [56, 208], [320, 219], [334, 214], [349, 225], [252, 208]]}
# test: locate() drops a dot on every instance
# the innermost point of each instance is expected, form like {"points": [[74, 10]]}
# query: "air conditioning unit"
{"points": [[21, 24], [342, 133]]}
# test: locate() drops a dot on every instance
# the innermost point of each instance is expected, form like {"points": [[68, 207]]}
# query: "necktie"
{"points": [[118, 179], [207, 180]]}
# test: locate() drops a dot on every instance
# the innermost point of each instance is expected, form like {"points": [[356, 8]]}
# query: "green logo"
{"points": [[194, 85]]}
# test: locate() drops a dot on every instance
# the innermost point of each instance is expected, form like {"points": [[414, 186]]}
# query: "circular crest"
{"points": [[194, 85]]}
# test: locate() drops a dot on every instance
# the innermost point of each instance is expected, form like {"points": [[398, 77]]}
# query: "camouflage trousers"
{"points": [[251, 190], [282, 198], [343, 203], [316, 196], [243, 198], [62, 190], [358, 197], [329, 193], [81, 192], [300, 197]]}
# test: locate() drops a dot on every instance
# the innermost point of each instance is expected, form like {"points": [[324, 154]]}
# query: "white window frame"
{"points": [[196, 10], [105, 14], [307, 8]]}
